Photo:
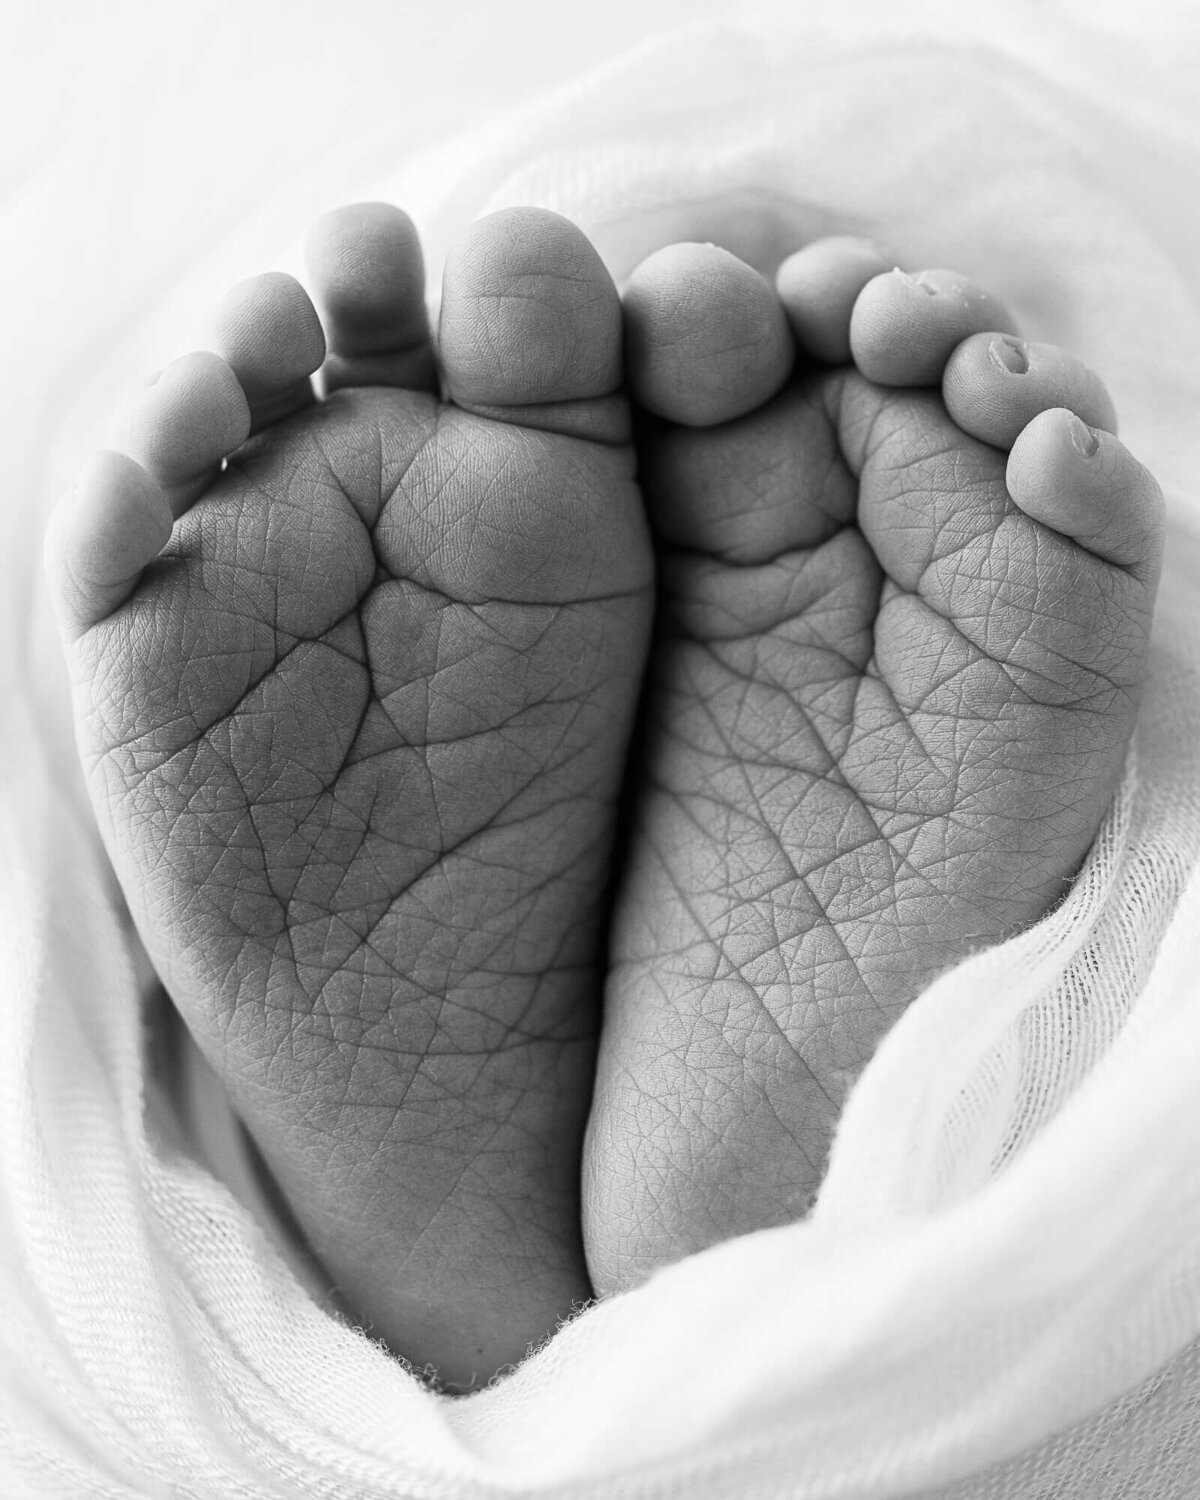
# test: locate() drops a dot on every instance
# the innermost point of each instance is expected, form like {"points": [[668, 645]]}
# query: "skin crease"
{"points": [[358, 708]]}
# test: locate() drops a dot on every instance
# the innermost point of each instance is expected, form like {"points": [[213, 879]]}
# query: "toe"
{"points": [[185, 423], [268, 333], [819, 286], [530, 327], [707, 338], [101, 536], [904, 328], [1083, 482], [368, 278], [995, 384]]}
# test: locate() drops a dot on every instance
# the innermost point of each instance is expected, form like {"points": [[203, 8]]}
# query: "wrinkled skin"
{"points": [[358, 755], [887, 713], [357, 738]]}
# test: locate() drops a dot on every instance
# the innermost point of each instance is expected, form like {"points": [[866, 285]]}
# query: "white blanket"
{"points": [[998, 1295]]}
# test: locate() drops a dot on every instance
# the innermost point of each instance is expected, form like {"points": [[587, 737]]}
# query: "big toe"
{"points": [[530, 327], [707, 337]]}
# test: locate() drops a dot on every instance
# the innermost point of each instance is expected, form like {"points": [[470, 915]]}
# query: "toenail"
{"points": [[930, 291], [1085, 438], [1009, 354]]}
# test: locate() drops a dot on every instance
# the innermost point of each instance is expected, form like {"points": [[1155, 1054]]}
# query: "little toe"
{"points": [[819, 286], [1083, 482], [707, 338], [185, 423], [268, 332], [904, 328], [530, 329], [995, 384], [368, 277], [114, 522]]}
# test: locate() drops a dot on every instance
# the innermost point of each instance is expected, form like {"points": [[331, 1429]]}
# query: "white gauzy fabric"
{"points": [[998, 1294]]}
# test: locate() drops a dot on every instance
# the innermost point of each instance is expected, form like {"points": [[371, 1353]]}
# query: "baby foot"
{"points": [[354, 682], [894, 679]]}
